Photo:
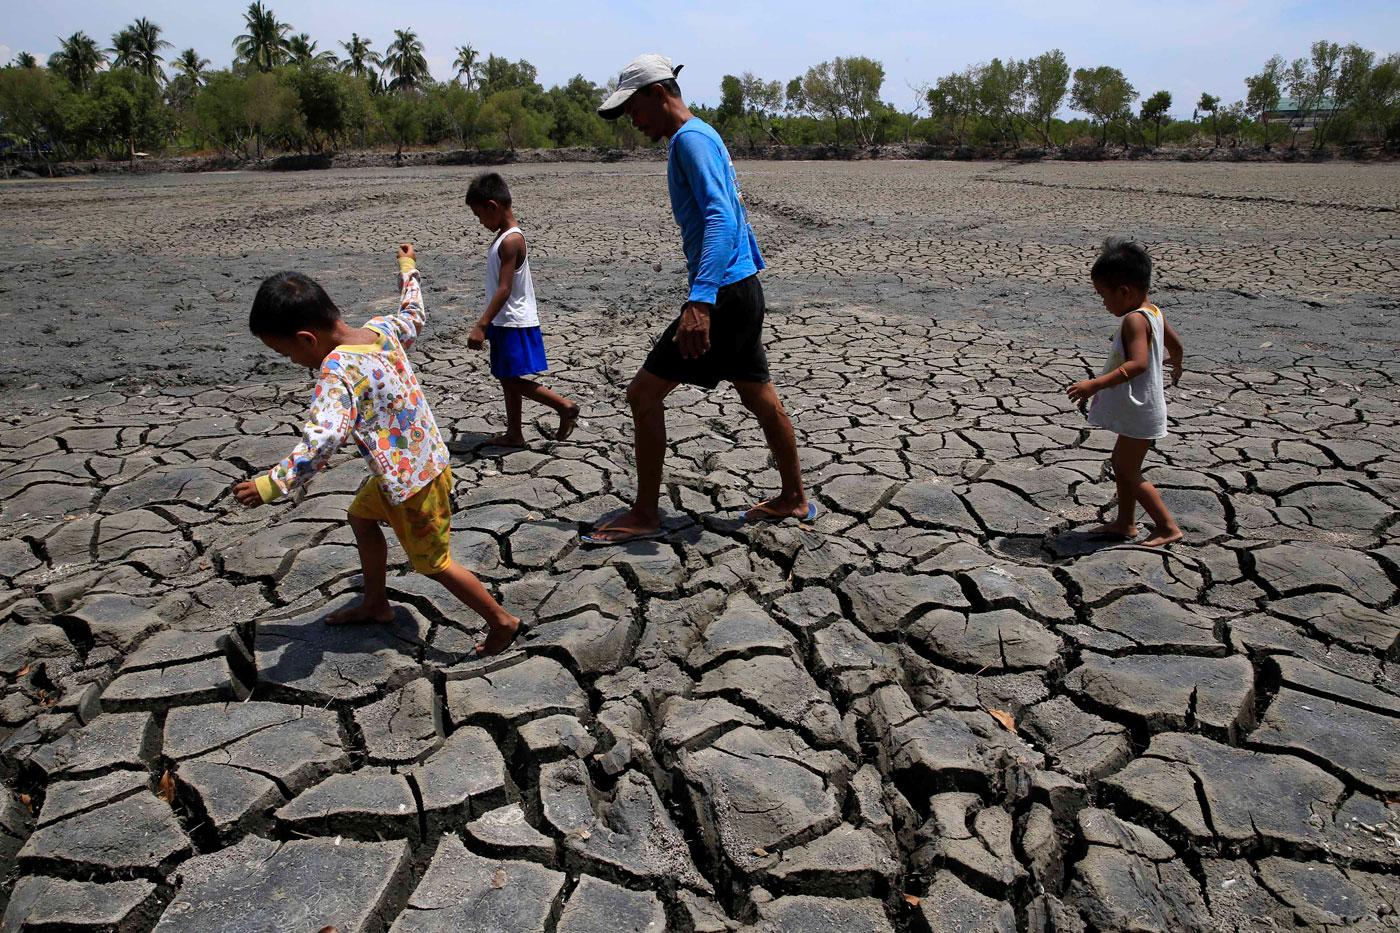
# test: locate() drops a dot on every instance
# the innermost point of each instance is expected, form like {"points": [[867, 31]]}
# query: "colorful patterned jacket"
{"points": [[369, 392]]}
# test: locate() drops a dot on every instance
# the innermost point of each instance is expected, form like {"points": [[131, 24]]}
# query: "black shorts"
{"points": [[736, 351]]}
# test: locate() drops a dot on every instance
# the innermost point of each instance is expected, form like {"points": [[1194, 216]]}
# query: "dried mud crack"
{"points": [[940, 707]]}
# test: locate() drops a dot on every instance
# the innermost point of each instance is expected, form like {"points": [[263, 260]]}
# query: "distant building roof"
{"points": [[1289, 105]]}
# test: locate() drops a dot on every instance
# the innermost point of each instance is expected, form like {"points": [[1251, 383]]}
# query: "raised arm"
{"points": [[328, 424], [411, 317]]}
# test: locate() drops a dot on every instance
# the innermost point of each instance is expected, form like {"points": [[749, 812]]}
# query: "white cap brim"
{"points": [[611, 108]]}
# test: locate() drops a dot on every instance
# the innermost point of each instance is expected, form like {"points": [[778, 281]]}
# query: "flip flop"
{"points": [[768, 516], [522, 628], [623, 537]]}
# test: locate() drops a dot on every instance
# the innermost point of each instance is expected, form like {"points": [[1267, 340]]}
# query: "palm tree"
{"points": [[191, 66], [466, 63], [404, 59], [25, 60], [358, 57], [146, 44], [123, 49], [302, 49], [264, 45], [78, 59]]}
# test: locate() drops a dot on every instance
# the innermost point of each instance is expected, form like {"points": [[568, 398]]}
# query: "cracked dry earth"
{"points": [[938, 708]]}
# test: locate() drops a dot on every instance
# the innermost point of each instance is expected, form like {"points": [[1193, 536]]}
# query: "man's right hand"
{"points": [[693, 334], [477, 338]]}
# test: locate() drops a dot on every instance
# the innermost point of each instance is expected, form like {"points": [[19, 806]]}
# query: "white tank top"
{"points": [[1138, 407], [519, 309]]}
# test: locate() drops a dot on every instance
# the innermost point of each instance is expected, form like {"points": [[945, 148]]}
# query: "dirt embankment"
{"points": [[367, 158]]}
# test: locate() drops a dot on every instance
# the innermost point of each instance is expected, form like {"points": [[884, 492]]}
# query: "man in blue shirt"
{"points": [[719, 333]]}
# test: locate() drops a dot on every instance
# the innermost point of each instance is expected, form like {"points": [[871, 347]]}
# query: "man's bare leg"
{"points": [[647, 398], [374, 557], [762, 399], [500, 625]]}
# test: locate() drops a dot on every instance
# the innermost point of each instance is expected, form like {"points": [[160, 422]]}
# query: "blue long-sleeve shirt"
{"points": [[720, 248]]}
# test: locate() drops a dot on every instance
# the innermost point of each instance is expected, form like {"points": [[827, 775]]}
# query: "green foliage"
{"points": [[359, 57], [283, 91], [465, 63], [1154, 111], [500, 74], [78, 59], [1265, 89], [955, 101], [1047, 83], [301, 50], [321, 100], [264, 45], [398, 113], [130, 110], [847, 92], [404, 60], [220, 112], [573, 109], [510, 124], [34, 105], [1105, 95]]}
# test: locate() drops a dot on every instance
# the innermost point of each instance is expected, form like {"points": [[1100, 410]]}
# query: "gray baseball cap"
{"points": [[640, 72]]}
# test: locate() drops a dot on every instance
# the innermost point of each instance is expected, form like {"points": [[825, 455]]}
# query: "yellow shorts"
{"points": [[423, 524]]}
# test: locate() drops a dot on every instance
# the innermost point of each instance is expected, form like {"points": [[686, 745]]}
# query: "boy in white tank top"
{"points": [[511, 322], [1128, 397]]}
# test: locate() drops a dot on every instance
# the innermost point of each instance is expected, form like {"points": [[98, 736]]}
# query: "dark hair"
{"points": [[289, 302], [488, 186], [670, 87], [1122, 261]]}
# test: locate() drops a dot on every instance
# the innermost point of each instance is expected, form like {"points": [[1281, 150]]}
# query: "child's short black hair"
{"points": [[1123, 261], [488, 186], [289, 302]]}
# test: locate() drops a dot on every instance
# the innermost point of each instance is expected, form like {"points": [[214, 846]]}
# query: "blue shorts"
{"points": [[516, 351]]}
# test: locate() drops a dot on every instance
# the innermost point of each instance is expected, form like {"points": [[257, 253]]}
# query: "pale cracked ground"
{"points": [[937, 709]]}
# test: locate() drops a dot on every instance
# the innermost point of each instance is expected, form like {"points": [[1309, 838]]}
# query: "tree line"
{"points": [[283, 92]]}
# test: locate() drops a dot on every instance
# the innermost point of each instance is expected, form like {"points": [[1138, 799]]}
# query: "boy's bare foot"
{"points": [[1115, 531], [506, 440], [353, 615], [498, 637], [1162, 536], [567, 419]]}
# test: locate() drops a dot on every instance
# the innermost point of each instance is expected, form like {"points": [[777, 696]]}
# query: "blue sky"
{"points": [[1183, 47]]}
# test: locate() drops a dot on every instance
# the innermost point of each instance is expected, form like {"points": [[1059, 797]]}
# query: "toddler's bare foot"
{"points": [[499, 635], [506, 440], [1114, 530], [567, 419], [1162, 536], [363, 612]]}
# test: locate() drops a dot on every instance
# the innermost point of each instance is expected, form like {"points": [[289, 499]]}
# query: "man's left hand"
{"points": [[693, 335]]}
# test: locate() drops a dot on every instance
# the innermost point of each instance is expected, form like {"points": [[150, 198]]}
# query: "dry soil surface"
{"points": [[940, 706]]}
